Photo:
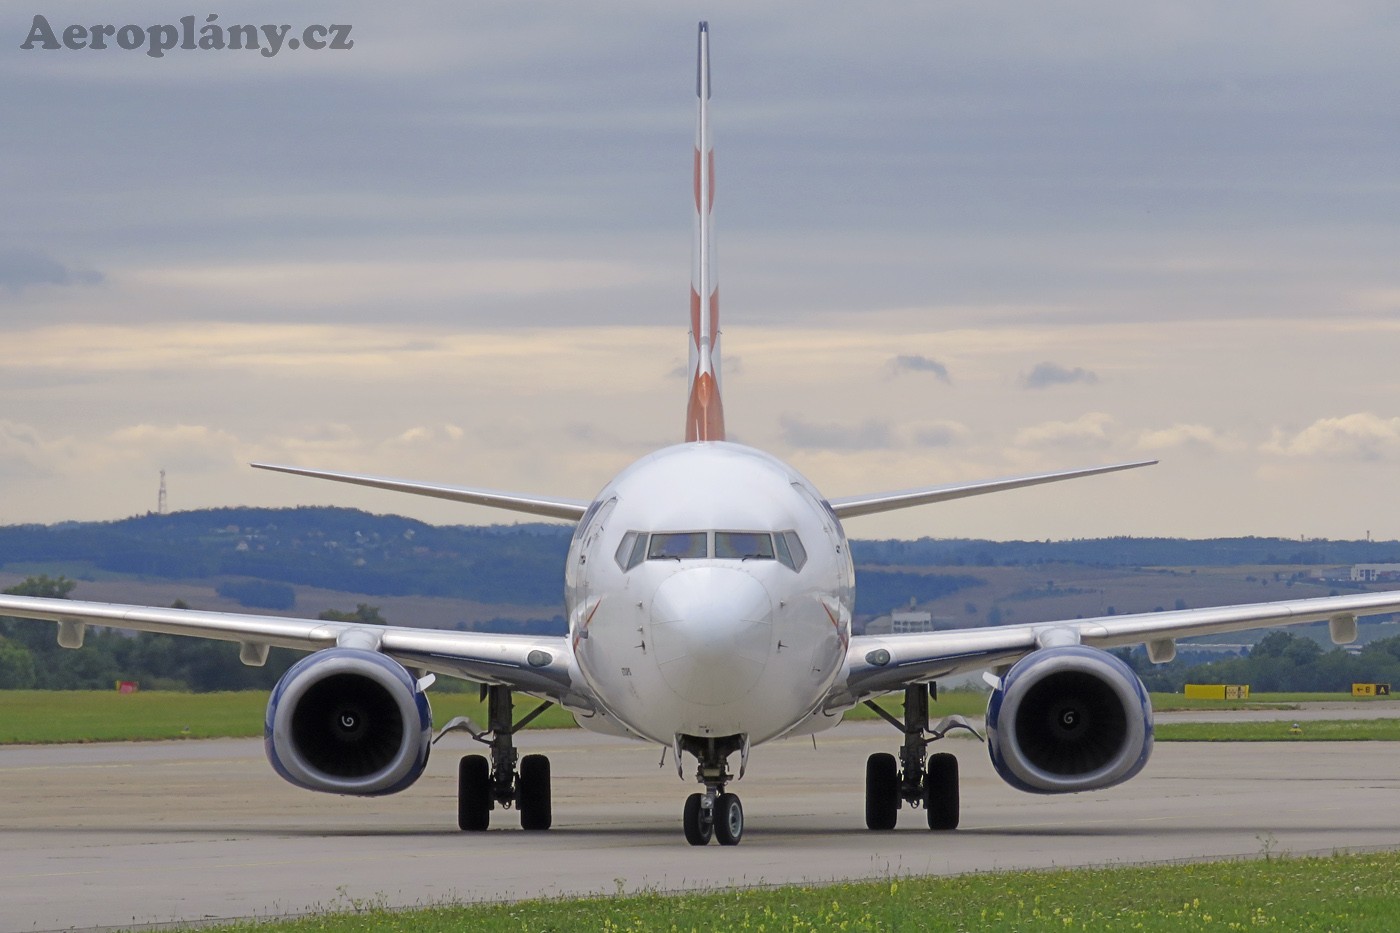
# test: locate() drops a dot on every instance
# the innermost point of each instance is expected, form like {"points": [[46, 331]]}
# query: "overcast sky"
{"points": [[956, 241]]}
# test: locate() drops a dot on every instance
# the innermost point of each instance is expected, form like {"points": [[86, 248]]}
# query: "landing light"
{"points": [[879, 657], [538, 658]]}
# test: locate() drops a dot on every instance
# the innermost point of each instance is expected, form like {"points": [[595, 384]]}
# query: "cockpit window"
{"points": [[743, 545], [790, 549], [783, 546], [632, 551], [678, 546]]}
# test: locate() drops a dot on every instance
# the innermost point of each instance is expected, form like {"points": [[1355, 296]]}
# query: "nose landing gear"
{"points": [[714, 814]]}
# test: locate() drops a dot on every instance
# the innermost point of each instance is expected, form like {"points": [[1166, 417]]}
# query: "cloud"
{"points": [[1088, 430], [24, 452], [870, 434], [939, 434], [914, 363], [1358, 436], [189, 448], [1196, 436], [28, 451], [21, 269], [1049, 374]]}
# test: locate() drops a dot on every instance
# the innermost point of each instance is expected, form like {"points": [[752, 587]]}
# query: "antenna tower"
{"points": [[160, 500]]}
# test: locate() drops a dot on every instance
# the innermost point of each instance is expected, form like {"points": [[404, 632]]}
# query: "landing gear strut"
{"points": [[932, 784], [715, 813], [482, 784]]}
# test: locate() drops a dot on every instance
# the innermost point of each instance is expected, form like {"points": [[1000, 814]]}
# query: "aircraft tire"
{"points": [[473, 794], [729, 820], [532, 792], [881, 791], [941, 801], [698, 830]]}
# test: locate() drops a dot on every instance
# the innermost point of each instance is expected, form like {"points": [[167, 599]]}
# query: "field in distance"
{"points": [[34, 717]]}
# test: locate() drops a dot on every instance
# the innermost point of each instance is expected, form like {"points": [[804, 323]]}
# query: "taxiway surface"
{"points": [[117, 835]]}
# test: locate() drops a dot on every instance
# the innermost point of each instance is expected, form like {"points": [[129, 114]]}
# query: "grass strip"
{"points": [[1340, 893], [1322, 730], [40, 717], [57, 716]]}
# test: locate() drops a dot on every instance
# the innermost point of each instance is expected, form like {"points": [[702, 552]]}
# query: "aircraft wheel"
{"points": [[473, 794], [532, 793], [729, 820], [941, 791], [697, 829], [881, 791]]}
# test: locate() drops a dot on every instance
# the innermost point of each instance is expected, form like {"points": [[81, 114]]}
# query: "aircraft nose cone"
{"points": [[712, 631]]}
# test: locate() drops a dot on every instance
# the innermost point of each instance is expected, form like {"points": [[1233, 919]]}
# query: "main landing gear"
{"points": [[482, 784], [714, 814], [932, 784]]}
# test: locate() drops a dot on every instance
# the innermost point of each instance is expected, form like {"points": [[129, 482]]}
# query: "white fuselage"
{"points": [[708, 593]]}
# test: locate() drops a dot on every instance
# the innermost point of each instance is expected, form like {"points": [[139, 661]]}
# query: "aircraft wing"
{"points": [[548, 506], [870, 503], [880, 663], [538, 665]]}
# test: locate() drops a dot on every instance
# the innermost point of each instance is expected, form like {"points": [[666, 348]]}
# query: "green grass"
{"points": [[971, 702], [50, 716], [949, 702], [1346, 892], [1323, 730]]}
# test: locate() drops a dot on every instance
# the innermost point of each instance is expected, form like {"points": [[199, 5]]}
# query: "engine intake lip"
{"points": [[1069, 719], [348, 721]]}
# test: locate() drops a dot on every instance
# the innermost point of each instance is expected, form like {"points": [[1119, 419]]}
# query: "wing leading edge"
{"points": [[879, 663], [538, 665], [547, 506], [871, 503]]}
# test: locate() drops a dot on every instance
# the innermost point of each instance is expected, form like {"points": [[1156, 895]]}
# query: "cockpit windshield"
{"points": [[677, 546], [783, 546], [743, 545]]}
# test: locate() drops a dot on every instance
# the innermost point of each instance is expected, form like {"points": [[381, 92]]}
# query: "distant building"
{"points": [[907, 621], [1374, 573]]}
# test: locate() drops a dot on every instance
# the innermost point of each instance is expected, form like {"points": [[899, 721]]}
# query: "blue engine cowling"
{"points": [[348, 721], [1069, 719]]}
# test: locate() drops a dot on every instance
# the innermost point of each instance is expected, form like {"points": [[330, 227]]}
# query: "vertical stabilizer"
{"points": [[704, 416]]}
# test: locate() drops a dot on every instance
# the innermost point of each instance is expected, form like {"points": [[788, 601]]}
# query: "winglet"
{"points": [[704, 417]]}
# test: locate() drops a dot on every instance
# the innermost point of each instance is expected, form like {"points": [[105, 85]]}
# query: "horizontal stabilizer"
{"points": [[851, 506], [549, 507]]}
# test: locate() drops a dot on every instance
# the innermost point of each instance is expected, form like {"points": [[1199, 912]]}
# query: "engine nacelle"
{"points": [[348, 721], [1069, 719]]}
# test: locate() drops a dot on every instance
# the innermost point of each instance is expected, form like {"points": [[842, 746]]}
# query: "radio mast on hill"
{"points": [[160, 499]]}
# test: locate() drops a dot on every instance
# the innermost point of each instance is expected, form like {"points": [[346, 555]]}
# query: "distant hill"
{"points": [[1125, 552], [509, 578], [351, 551], [331, 548]]}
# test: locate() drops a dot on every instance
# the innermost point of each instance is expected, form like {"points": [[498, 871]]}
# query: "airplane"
{"points": [[709, 591]]}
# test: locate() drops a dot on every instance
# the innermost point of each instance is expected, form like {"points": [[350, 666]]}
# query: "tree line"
{"points": [[1281, 661]]}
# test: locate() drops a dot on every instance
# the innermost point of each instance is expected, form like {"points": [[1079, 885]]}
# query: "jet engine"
{"points": [[348, 721], [1068, 719]]}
